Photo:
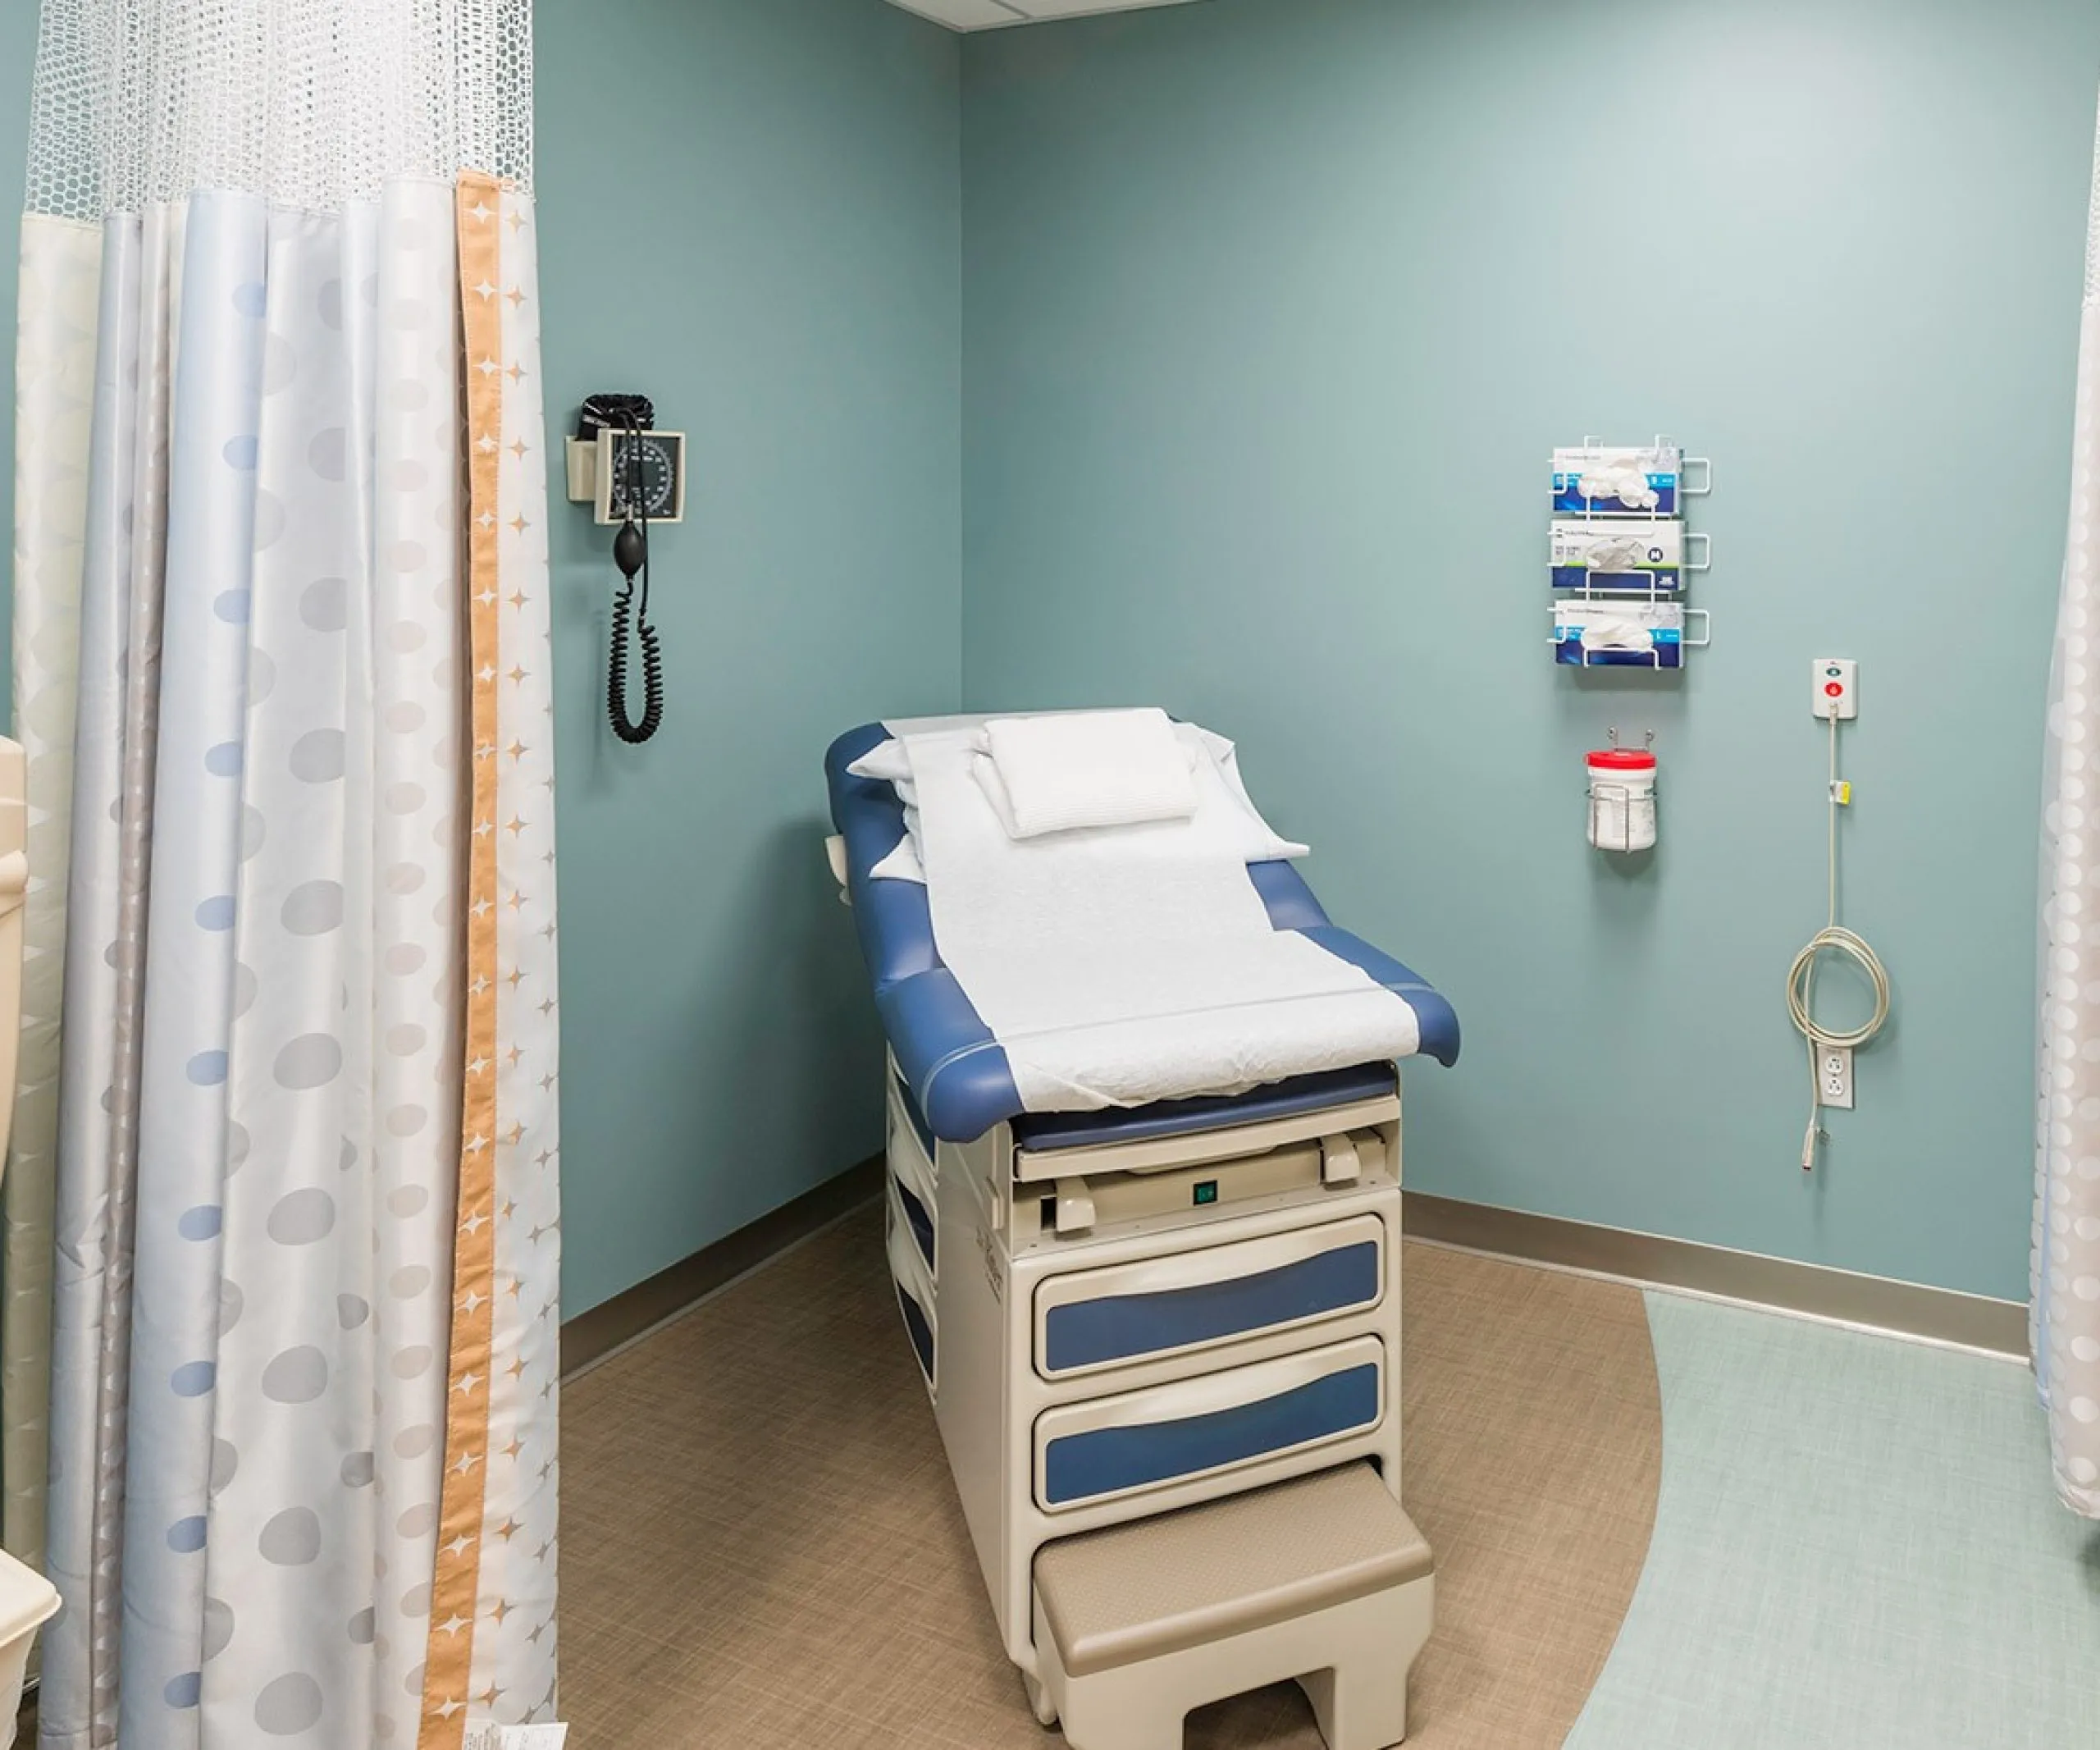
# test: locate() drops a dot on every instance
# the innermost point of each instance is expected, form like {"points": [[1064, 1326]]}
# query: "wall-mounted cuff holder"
{"points": [[1597, 631], [599, 466]]}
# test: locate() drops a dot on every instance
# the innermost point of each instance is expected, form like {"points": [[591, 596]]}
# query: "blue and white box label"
{"points": [[1618, 480], [1602, 633], [1621, 556]]}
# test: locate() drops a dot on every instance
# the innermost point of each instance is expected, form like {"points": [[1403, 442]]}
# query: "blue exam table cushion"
{"points": [[957, 1083]]}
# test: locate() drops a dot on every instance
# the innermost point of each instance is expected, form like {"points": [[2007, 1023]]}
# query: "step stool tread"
{"points": [[1229, 1567]]}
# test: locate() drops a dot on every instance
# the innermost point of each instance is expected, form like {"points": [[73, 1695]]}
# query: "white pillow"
{"points": [[1259, 842], [986, 771], [1083, 768]]}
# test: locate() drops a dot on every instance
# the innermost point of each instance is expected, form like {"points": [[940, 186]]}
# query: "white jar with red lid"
{"points": [[1621, 798]]}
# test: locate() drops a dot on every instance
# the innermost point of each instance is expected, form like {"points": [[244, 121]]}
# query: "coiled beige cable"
{"points": [[1832, 938]]}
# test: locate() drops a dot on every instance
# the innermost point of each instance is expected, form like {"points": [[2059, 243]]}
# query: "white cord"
{"points": [[1800, 980]]}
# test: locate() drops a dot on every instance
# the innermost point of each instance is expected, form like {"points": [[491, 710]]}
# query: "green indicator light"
{"points": [[1206, 1192]]}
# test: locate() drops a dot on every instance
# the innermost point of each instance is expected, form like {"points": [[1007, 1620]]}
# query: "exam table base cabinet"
{"points": [[1230, 1318]]}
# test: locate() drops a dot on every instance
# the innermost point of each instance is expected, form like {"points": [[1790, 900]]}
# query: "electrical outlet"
{"points": [[1833, 1075]]}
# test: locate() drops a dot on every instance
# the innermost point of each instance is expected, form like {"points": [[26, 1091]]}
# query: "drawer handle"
{"points": [[1217, 1263]]}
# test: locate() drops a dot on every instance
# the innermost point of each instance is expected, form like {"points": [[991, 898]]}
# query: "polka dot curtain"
{"points": [[281, 644], [2066, 1317]]}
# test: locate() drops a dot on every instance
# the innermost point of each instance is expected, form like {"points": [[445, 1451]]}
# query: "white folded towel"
{"points": [[1088, 769], [1120, 964]]}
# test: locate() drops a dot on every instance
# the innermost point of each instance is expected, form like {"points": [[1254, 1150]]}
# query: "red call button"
{"points": [[1834, 690]]}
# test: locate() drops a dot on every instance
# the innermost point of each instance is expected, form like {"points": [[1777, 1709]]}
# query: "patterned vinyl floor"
{"points": [[761, 1548]]}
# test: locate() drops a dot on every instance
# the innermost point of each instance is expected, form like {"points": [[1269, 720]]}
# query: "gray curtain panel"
{"points": [[2065, 1313]]}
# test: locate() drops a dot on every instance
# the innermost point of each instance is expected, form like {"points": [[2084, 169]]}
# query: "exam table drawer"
{"points": [[1237, 1419], [917, 1220], [911, 1145], [1192, 1301], [916, 1303]]}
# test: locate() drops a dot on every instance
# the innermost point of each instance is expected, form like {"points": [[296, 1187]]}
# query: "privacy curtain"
{"points": [[2065, 1318], [288, 1096]]}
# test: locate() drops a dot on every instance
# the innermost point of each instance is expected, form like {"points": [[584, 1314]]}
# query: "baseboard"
{"points": [[1846, 1297], [589, 1338], [1872, 1303]]}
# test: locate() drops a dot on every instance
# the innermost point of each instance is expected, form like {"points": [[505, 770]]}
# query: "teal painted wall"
{"points": [[1269, 314], [772, 252], [752, 213], [1272, 312]]}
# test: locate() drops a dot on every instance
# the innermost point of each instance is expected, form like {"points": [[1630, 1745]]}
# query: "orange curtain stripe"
{"points": [[455, 1587]]}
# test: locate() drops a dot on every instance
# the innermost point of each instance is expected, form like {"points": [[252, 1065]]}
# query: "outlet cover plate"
{"points": [[1833, 1077]]}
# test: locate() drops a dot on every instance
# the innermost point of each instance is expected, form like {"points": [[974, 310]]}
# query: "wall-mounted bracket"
{"points": [[598, 467]]}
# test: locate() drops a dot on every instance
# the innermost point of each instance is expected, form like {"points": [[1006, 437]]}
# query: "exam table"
{"points": [[1120, 1315]]}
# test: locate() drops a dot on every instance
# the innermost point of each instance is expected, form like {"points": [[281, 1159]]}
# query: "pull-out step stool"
{"points": [[1324, 1579]]}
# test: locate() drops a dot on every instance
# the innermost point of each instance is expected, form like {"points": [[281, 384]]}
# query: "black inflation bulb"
{"points": [[630, 549]]}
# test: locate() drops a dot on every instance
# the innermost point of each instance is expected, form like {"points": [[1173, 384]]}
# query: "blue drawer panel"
{"points": [[921, 1333], [1117, 1328], [1106, 1461], [916, 1218]]}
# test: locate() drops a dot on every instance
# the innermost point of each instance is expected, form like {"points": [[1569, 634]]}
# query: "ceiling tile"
{"points": [[989, 14], [1047, 9], [963, 15]]}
